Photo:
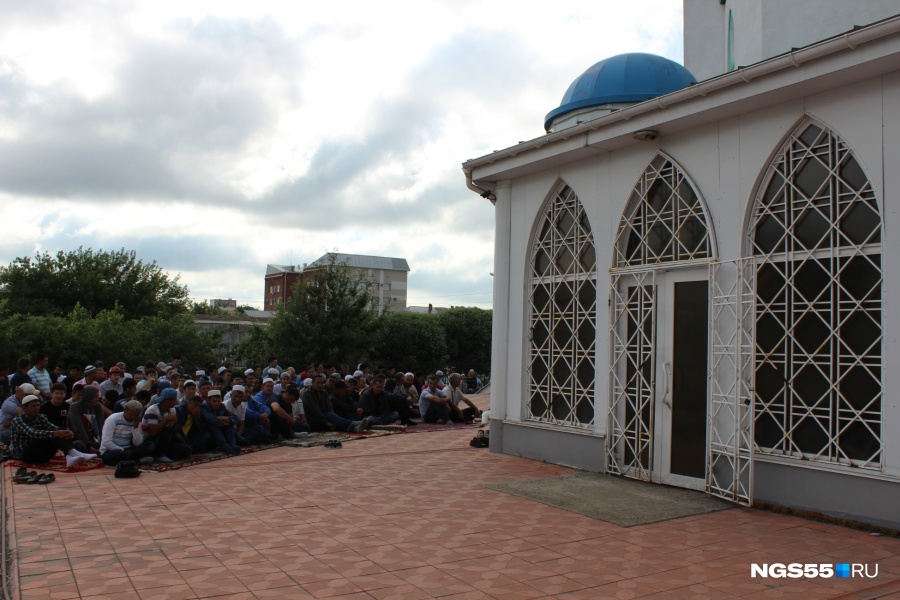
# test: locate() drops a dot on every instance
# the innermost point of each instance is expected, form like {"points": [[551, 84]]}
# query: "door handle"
{"points": [[665, 399]]}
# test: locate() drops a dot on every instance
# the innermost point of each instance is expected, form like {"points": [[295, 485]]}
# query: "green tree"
{"points": [[82, 338], [468, 334], [408, 339], [331, 316], [255, 348], [49, 285], [243, 308], [203, 308]]}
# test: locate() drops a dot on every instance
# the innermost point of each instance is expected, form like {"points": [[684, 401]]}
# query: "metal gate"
{"points": [[729, 471], [629, 442]]}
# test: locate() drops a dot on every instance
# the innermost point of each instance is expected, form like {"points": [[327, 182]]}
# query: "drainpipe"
{"points": [[489, 194]]}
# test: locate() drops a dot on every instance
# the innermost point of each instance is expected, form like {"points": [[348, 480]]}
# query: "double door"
{"points": [[658, 415]]}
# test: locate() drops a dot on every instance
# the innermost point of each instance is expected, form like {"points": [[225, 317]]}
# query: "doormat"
{"points": [[616, 500]]}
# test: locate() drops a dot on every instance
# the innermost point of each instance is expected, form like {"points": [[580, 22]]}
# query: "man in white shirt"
{"points": [[234, 404], [123, 438], [456, 397]]}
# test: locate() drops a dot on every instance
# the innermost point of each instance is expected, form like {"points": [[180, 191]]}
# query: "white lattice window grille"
{"points": [[664, 220], [563, 315], [815, 234], [632, 367]]}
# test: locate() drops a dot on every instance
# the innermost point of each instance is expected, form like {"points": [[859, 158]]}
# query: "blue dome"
{"points": [[632, 77]]}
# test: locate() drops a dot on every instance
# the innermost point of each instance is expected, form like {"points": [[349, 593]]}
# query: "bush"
{"points": [[80, 338], [406, 339], [468, 334]]}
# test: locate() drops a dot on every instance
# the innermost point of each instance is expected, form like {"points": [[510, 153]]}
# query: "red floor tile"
{"points": [[405, 517]]}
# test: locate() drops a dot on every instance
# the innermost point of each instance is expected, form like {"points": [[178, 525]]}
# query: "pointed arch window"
{"points": [[664, 220], [562, 315], [815, 237]]}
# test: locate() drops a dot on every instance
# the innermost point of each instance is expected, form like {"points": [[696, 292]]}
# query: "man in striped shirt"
{"points": [[40, 376]]}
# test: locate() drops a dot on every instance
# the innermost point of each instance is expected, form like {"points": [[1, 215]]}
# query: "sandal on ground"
{"points": [[20, 472], [24, 477], [333, 444], [33, 479], [46, 478]]}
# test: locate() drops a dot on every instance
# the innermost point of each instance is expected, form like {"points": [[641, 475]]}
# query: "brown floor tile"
{"points": [[211, 583], [351, 524], [400, 592], [292, 591], [331, 588], [106, 587], [180, 591], [46, 580], [43, 567]]}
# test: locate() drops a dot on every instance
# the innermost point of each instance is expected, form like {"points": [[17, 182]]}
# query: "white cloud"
{"points": [[217, 136]]}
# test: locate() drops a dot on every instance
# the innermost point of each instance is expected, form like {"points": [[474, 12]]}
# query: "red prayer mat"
{"points": [[58, 464]]}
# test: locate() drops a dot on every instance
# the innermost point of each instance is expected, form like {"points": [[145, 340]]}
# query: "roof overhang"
{"points": [[855, 56]]}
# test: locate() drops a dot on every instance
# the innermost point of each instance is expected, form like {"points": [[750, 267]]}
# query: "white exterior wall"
{"points": [[726, 160], [767, 28], [705, 38], [890, 180], [801, 22]]}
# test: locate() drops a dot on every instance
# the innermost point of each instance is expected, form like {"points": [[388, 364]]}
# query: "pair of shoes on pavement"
{"points": [[23, 475]]}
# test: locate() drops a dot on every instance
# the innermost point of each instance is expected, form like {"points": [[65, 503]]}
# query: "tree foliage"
{"points": [[408, 339], [255, 348], [468, 334], [203, 308], [48, 285], [331, 316], [82, 338]]}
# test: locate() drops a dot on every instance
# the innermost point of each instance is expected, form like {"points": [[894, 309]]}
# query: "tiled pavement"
{"points": [[404, 517]]}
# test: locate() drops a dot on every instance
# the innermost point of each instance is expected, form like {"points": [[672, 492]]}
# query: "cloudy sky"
{"points": [[216, 137]]}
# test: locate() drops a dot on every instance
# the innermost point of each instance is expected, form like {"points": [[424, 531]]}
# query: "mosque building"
{"points": [[692, 273]]}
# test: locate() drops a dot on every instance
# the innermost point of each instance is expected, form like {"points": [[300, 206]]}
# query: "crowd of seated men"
{"points": [[161, 412]]}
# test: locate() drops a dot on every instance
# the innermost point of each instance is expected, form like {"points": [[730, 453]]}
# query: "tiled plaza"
{"points": [[403, 516]]}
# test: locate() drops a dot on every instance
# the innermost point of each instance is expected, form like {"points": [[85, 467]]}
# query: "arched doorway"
{"points": [[659, 302]]}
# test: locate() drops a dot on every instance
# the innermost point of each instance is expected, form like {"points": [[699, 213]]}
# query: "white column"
{"points": [[500, 354]]}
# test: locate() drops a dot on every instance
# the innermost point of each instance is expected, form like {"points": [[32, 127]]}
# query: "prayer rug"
{"points": [[199, 459], [58, 464], [318, 438]]}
